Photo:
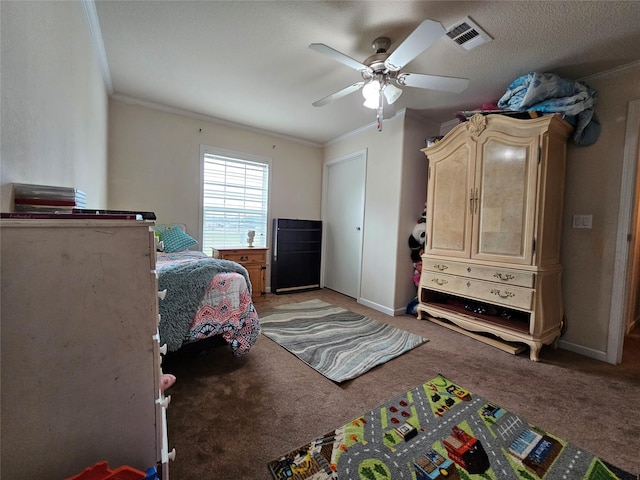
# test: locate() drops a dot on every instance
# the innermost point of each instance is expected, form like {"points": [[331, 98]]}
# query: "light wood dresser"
{"points": [[254, 259], [81, 361], [494, 219]]}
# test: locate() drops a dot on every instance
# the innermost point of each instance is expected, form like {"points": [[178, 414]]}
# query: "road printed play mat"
{"points": [[441, 431]]}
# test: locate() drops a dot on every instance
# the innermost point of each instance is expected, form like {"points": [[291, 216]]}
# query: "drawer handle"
{"points": [[244, 258], [504, 276], [439, 281], [442, 268], [506, 294]]}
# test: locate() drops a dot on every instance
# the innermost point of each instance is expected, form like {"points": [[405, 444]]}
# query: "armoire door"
{"points": [[449, 201], [506, 178]]}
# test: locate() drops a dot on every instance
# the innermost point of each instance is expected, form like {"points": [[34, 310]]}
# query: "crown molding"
{"points": [[416, 115], [364, 128], [447, 126], [208, 118], [91, 15], [612, 72]]}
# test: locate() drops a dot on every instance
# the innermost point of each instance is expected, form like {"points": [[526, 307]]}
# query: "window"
{"points": [[235, 194]]}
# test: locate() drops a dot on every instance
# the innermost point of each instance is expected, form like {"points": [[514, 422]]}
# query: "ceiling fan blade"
{"points": [[336, 55], [339, 94], [433, 82], [422, 37]]}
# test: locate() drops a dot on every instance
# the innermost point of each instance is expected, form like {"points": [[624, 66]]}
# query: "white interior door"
{"points": [[343, 222]]}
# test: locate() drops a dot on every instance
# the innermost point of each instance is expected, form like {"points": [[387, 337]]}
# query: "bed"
{"points": [[204, 298]]}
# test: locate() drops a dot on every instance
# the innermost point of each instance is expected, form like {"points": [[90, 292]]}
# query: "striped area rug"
{"points": [[339, 344]]}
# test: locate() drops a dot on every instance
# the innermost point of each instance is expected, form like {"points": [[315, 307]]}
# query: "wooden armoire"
{"points": [[491, 266]]}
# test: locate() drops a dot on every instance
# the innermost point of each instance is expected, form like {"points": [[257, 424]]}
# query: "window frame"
{"points": [[248, 157]]}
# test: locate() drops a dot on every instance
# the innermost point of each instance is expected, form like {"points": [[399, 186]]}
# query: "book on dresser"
{"points": [[69, 216]]}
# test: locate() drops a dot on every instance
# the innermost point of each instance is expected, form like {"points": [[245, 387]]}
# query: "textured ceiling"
{"points": [[249, 63]]}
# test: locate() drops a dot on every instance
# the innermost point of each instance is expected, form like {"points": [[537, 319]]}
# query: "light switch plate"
{"points": [[582, 221]]}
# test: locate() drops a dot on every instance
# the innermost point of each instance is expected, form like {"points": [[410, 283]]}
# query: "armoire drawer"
{"points": [[492, 292], [508, 276]]}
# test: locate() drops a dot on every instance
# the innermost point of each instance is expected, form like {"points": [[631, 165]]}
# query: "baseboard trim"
{"points": [[586, 351], [376, 306], [402, 311]]}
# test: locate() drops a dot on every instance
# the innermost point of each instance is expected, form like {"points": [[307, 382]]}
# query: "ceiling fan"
{"points": [[381, 76]]}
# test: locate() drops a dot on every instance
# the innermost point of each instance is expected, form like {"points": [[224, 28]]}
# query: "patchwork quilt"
{"points": [[205, 297]]}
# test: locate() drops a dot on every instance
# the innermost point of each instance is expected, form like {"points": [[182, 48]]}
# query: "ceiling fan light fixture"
{"points": [[371, 94], [381, 72], [372, 103], [391, 93], [371, 90]]}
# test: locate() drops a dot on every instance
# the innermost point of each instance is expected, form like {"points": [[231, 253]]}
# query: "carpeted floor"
{"points": [[229, 415], [336, 342], [441, 430]]}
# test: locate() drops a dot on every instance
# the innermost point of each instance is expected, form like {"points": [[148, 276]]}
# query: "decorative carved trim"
{"points": [[477, 124]]}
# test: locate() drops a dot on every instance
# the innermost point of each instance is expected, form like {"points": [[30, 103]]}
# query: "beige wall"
{"points": [[412, 199], [54, 103], [154, 164], [54, 131], [593, 187], [395, 193]]}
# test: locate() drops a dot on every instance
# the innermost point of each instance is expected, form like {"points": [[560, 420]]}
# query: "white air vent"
{"points": [[467, 34]]}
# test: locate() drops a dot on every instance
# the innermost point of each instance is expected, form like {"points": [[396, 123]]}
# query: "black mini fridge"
{"points": [[295, 255]]}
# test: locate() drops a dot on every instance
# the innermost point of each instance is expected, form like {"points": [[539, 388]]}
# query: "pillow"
{"points": [[176, 240], [160, 228]]}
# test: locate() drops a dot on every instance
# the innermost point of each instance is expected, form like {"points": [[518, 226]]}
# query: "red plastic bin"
{"points": [[100, 471]]}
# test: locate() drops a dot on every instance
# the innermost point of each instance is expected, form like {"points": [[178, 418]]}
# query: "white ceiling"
{"points": [[248, 62]]}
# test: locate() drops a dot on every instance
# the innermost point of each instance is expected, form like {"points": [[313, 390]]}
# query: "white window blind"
{"points": [[234, 200]]}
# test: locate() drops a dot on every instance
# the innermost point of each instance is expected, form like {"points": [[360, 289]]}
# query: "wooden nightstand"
{"points": [[254, 259]]}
